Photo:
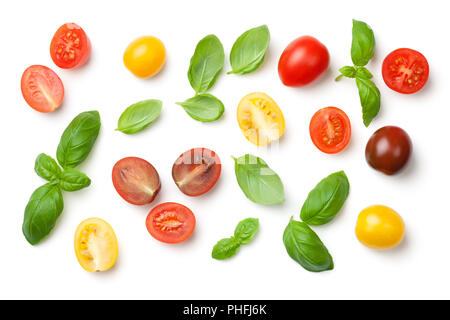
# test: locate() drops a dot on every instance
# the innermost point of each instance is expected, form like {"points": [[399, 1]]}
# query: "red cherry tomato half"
{"points": [[196, 171], [42, 89], [405, 70], [70, 47], [170, 222], [303, 61], [330, 130], [136, 180]]}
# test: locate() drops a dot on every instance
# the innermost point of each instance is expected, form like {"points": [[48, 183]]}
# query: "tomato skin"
{"points": [[389, 150], [70, 47], [405, 71], [170, 222], [330, 130], [42, 89], [136, 180], [196, 171], [145, 56], [303, 61], [380, 227]]}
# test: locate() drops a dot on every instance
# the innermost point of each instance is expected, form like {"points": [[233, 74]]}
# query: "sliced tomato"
{"points": [[330, 130], [136, 180], [42, 89], [260, 119], [405, 70], [70, 47], [196, 171], [170, 222]]}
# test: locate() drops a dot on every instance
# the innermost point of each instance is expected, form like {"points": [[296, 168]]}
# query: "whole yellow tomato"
{"points": [[380, 227], [145, 56]]}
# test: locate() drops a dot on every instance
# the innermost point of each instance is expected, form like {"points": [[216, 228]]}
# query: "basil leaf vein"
{"points": [[139, 116], [203, 107]]}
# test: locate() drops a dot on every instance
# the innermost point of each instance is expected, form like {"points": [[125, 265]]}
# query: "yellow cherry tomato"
{"points": [[260, 119], [145, 56], [380, 227], [96, 245]]}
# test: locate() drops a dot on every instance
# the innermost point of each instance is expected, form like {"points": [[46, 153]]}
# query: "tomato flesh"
{"points": [[330, 130], [42, 89], [70, 47], [196, 171], [136, 180], [170, 222], [405, 70]]}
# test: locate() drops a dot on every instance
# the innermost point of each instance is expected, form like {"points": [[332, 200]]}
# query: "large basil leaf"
{"points": [[326, 199], [369, 96], [73, 180], [206, 63], [46, 167], [363, 43], [249, 50], [203, 107], [259, 183], [246, 230], [225, 249], [78, 139], [41, 212], [304, 246], [139, 116]]}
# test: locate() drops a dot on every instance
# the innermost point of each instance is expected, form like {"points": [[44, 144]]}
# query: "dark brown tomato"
{"points": [[196, 171], [389, 150], [136, 180]]}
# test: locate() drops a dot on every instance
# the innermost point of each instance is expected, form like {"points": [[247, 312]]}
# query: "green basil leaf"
{"points": [[78, 139], [73, 180], [259, 183], [249, 50], [363, 43], [326, 199], [362, 72], [369, 96], [206, 63], [41, 212], [225, 249], [46, 167], [139, 116], [347, 71], [304, 246], [203, 107], [246, 230]]}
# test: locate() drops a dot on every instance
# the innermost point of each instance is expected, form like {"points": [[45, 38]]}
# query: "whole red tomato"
{"points": [[303, 61]]}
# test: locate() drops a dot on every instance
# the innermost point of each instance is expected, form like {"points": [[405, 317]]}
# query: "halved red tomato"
{"points": [[330, 130], [405, 70], [70, 47], [196, 171], [136, 180], [42, 89], [170, 222]]}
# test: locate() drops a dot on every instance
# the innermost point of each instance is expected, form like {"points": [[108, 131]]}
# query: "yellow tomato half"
{"points": [[380, 227], [96, 245], [260, 119], [145, 56]]}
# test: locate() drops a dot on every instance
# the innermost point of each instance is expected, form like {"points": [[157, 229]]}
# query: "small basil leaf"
{"points": [[46, 167], [369, 96], [225, 249], [203, 107], [73, 180], [78, 139], [362, 72], [347, 71], [363, 43], [139, 116], [259, 183], [246, 230], [249, 50], [304, 246], [206, 63], [41, 212], [326, 199]]}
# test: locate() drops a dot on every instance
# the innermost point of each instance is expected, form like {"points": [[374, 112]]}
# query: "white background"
{"points": [[147, 269]]}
